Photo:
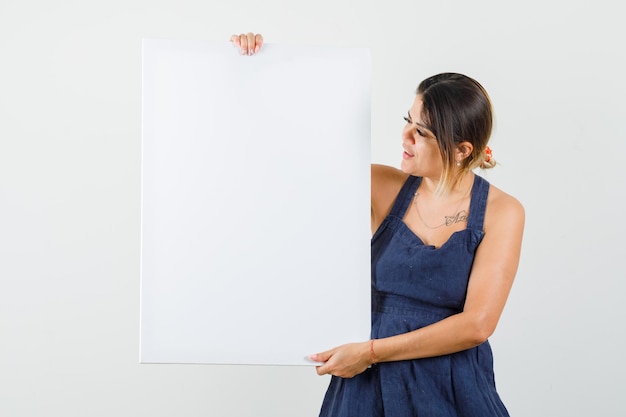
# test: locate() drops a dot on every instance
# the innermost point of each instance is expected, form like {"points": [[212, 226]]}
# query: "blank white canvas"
{"points": [[255, 202]]}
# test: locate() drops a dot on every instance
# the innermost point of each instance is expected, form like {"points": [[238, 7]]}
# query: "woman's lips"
{"points": [[406, 155]]}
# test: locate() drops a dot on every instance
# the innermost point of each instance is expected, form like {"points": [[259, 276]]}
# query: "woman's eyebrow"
{"points": [[418, 124]]}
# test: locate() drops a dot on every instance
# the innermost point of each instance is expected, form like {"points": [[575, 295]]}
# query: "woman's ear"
{"points": [[463, 150]]}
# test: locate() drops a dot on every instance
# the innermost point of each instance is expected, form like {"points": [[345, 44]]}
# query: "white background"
{"points": [[70, 127]]}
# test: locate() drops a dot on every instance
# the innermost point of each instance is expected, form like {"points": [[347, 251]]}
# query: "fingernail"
{"points": [[250, 51], [256, 48]]}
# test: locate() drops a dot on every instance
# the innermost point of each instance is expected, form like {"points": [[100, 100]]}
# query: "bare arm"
{"points": [[386, 184], [491, 279]]}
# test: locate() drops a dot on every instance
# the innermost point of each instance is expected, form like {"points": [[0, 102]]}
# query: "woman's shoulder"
{"points": [[386, 184], [388, 175], [503, 208], [386, 181]]}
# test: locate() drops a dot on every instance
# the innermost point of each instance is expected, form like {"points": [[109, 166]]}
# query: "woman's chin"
{"points": [[406, 167]]}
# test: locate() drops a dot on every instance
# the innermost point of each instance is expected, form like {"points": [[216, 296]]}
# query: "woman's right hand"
{"points": [[248, 43]]}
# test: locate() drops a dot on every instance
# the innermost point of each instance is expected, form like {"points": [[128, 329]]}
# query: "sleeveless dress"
{"points": [[414, 285]]}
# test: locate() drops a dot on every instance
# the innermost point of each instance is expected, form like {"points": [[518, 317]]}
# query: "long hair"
{"points": [[457, 109]]}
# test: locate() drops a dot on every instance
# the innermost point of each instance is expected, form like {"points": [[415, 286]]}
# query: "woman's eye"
{"points": [[418, 130]]}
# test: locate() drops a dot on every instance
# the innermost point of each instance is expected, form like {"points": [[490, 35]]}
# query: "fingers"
{"points": [[235, 40], [258, 42], [344, 361], [321, 370], [247, 43], [251, 45], [329, 369], [320, 357], [243, 41]]}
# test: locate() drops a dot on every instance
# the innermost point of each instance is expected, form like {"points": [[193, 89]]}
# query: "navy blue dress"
{"points": [[414, 285]]}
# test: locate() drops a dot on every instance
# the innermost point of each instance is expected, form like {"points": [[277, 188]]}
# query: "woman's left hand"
{"points": [[345, 361]]}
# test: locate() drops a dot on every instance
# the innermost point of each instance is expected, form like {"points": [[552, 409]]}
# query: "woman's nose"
{"points": [[407, 136]]}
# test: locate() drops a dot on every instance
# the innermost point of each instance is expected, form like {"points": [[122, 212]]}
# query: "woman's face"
{"points": [[421, 156]]}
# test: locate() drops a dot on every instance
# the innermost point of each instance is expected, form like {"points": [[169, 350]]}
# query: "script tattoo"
{"points": [[461, 216]]}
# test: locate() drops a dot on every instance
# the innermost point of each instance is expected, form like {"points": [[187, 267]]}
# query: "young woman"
{"points": [[445, 250]]}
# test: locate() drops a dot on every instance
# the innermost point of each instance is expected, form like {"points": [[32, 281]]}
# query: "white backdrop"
{"points": [[70, 76]]}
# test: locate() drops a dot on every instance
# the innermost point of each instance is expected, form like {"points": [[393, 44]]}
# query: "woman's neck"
{"points": [[460, 189]]}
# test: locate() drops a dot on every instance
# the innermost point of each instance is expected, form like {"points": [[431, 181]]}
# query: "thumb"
{"points": [[321, 357]]}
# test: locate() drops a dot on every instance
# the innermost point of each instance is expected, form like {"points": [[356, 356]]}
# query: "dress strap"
{"points": [[478, 203], [405, 196]]}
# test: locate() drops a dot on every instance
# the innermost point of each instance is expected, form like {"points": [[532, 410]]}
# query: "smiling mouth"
{"points": [[406, 154]]}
